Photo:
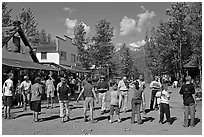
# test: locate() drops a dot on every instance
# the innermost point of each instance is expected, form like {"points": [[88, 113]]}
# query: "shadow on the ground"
{"points": [[97, 108], [148, 110], [25, 114], [197, 120], [102, 118], [76, 107], [17, 111], [50, 118], [129, 110], [76, 118], [172, 119], [148, 119], [124, 119]]}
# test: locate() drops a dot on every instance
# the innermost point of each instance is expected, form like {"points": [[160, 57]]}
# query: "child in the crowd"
{"points": [[163, 101], [114, 105], [19, 96], [136, 103]]}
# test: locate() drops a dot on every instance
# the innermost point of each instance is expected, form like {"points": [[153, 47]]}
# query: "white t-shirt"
{"points": [[121, 85], [49, 85], [26, 85], [141, 84], [163, 97], [7, 88], [155, 85]]}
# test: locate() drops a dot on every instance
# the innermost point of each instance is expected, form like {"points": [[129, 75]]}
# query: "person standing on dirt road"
{"points": [[155, 87], [63, 93], [35, 104], [142, 88], [25, 87], [50, 88], [89, 95], [187, 90], [8, 92], [103, 87], [123, 86]]}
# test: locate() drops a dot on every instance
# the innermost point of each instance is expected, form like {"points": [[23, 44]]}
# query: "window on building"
{"points": [[43, 55], [73, 58], [63, 55]]}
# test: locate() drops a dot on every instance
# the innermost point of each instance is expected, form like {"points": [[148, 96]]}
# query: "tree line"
{"points": [[176, 40], [29, 25]]}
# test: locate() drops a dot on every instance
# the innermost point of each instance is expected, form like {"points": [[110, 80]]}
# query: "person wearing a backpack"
{"points": [[187, 90], [163, 102], [63, 93]]}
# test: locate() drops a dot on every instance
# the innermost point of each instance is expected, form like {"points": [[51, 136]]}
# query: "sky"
{"points": [[130, 19]]}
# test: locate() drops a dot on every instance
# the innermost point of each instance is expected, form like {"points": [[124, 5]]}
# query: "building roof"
{"points": [[191, 64], [49, 48]]}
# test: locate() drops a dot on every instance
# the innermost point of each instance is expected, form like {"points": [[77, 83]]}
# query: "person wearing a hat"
{"points": [[155, 86], [8, 95], [63, 93], [102, 88], [26, 87], [35, 104], [187, 90]]}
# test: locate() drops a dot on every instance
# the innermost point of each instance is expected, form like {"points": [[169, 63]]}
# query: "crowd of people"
{"points": [[31, 94]]}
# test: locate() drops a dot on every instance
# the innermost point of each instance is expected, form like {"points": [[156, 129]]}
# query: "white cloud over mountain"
{"points": [[137, 44], [130, 26], [70, 27], [69, 10]]}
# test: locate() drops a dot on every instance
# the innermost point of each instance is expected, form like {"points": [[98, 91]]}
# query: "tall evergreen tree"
{"points": [[103, 47], [6, 17]]}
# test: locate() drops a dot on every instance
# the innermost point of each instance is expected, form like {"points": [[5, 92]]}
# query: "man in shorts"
{"points": [[8, 95], [50, 88], [89, 95]]}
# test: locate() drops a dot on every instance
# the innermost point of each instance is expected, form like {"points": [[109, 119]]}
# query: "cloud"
{"points": [[137, 44], [127, 26], [142, 7], [69, 10], [70, 27], [130, 26], [145, 18]]}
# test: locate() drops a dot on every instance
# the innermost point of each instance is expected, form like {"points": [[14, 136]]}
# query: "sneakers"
{"points": [[85, 120], [68, 118], [110, 121], [160, 122], [102, 112], [185, 126]]}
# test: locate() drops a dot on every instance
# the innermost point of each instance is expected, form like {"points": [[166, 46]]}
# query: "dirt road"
{"points": [[51, 125]]}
